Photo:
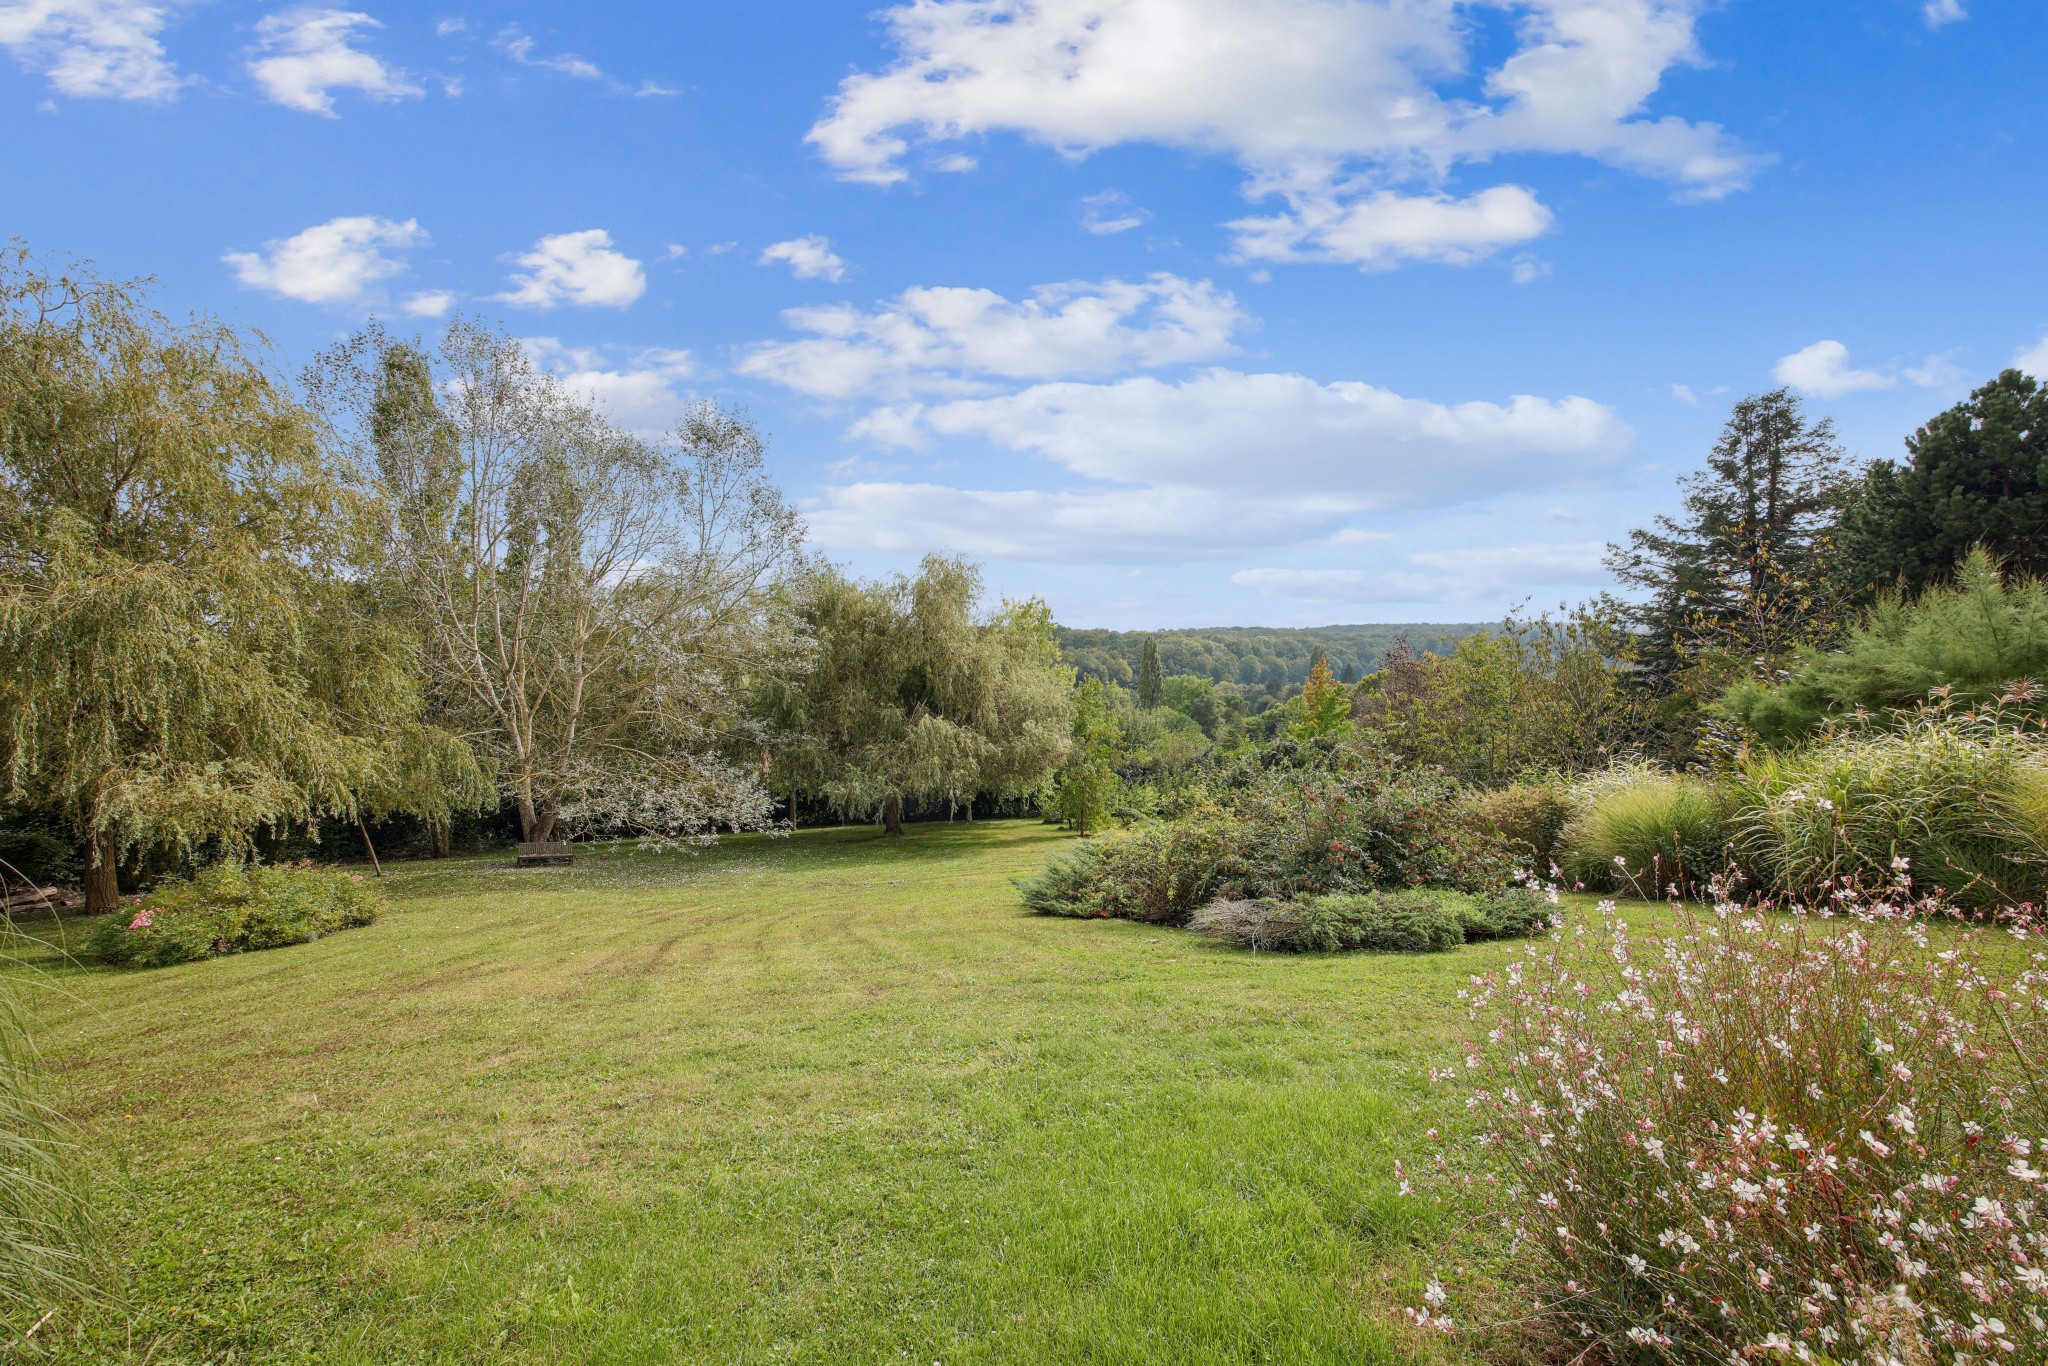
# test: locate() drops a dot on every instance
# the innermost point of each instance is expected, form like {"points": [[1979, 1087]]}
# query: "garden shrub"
{"points": [[1157, 873], [1959, 802], [235, 908], [1384, 922], [1756, 1137], [1639, 829], [1356, 821], [1510, 913], [1529, 816]]}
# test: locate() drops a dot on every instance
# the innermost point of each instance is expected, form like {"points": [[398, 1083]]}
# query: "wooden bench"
{"points": [[548, 851]]}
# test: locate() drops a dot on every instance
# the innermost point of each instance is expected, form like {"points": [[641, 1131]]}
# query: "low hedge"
{"points": [[235, 908], [1413, 921]]}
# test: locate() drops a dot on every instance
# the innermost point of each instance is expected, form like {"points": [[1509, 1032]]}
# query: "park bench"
{"points": [[547, 851]]}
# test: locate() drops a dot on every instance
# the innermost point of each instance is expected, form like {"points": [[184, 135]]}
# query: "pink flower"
{"points": [[143, 918]]}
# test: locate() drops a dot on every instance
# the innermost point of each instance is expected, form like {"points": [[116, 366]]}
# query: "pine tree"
{"points": [[1749, 570], [1151, 684], [1977, 475]]}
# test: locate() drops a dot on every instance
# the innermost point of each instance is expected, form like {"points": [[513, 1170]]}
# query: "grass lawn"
{"points": [[835, 1098]]}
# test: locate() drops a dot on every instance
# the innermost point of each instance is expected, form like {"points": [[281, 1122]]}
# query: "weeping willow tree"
{"points": [[912, 695], [183, 658]]}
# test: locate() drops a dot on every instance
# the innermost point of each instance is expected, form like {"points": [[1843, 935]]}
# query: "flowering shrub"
{"points": [[1813, 1137], [235, 908]]}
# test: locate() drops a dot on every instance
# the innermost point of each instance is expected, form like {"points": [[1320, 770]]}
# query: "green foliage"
{"points": [[1972, 639], [1530, 816], [1197, 699], [1508, 913], [593, 608], [1751, 568], [1976, 476], [1412, 921], [1157, 873], [1637, 828], [1958, 800], [1086, 784], [1383, 922], [182, 652], [1543, 694], [1263, 665], [37, 856], [911, 694], [1351, 819], [1323, 711], [236, 908], [1150, 684], [48, 1224]]}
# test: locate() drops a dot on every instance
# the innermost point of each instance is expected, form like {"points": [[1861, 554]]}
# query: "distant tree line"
{"points": [[1264, 665]]}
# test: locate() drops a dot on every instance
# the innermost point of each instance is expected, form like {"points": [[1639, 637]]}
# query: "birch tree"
{"points": [[593, 606]]}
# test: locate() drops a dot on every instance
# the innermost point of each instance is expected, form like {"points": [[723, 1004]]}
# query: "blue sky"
{"points": [[1173, 312]]}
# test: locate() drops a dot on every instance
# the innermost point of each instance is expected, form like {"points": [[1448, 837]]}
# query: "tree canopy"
{"points": [[912, 695], [1977, 475], [183, 657]]}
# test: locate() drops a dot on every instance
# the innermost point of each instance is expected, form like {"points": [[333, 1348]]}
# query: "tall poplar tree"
{"points": [[1151, 684]]}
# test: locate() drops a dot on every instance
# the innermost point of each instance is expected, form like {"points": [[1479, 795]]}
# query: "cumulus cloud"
{"points": [[941, 339], [1451, 576], [433, 303], [1823, 371], [1388, 229], [808, 258], [333, 262], [304, 55], [1329, 103], [638, 390], [1939, 13], [1075, 526], [578, 268], [92, 49], [1364, 447]]}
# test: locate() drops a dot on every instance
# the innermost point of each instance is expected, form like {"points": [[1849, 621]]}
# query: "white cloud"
{"points": [[639, 392], [2033, 359], [1938, 13], [1363, 447], [1110, 212], [303, 56], [1455, 576], [809, 258], [92, 49], [1387, 229], [519, 48], [1823, 371], [334, 262], [1094, 526], [1329, 103], [433, 303], [1684, 394], [954, 339], [578, 268]]}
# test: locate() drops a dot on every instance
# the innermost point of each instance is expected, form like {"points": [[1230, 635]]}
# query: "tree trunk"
{"points": [[892, 816], [102, 876], [443, 833], [970, 810], [536, 823], [364, 831], [792, 808]]}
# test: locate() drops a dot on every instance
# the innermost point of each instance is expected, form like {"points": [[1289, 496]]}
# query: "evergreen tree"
{"points": [[1977, 475], [1151, 683], [1749, 569]]}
